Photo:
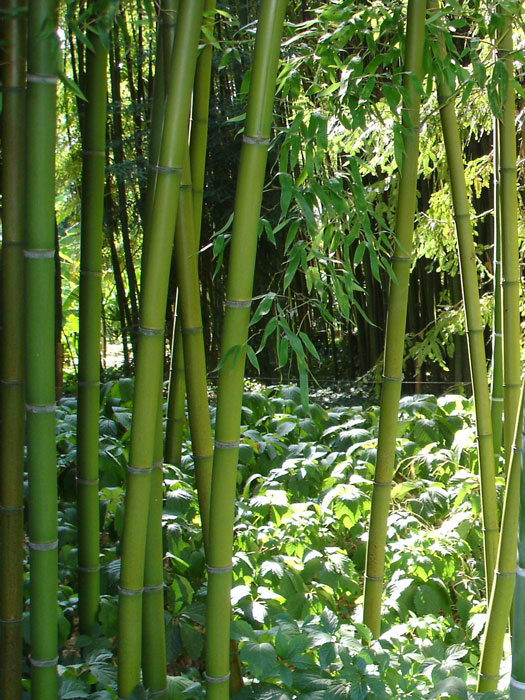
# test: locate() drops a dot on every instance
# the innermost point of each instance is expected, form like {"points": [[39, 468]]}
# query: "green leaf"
{"points": [[261, 659], [452, 687], [285, 180], [72, 688], [252, 357], [192, 640]]}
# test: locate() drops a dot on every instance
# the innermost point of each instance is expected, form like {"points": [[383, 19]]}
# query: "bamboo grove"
{"points": [[303, 157]]}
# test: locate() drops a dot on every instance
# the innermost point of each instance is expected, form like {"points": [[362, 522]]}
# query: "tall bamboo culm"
{"points": [[12, 359], [496, 396], [90, 305], [503, 589], [39, 253], [250, 182], [517, 676], [150, 352], [396, 321], [473, 320], [509, 241], [198, 142]]}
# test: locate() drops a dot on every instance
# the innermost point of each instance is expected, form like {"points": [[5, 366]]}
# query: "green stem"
{"points": [[39, 256], [90, 311], [496, 405], [396, 321], [150, 351], [12, 358], [250, 181]]}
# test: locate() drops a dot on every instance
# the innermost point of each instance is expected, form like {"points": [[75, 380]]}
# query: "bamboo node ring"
{"points": [[388, 378], [11, 382], [382, 483], [157, 693], [11, 509], [158, 464], [17, 621], [16, 244], [164, 168], [489, 677], [226, 445], [88, 569], [497, 399], [152, 589], [50, 408], [88, 382], [92, 152], [461, 216], [397, 258], [12, 88], [190, 331], [138, 470], [373, 578], [39, 254], [150, 331], [91, 273], [219, 569], [517, 684], [43, 546], [217, 679], [43, 663], [198, 458], [238, 303], [87, 482], [520, 571], [129, 591], [508, 170], [504, 574], [256, 140], [50, 79]]}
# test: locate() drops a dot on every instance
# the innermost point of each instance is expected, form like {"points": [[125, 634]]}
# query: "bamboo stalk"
{"points": [[150, 351], [39, 256], [153, 638], [473, 322], [496, 397], [176, 397], [517, 676], [12, 358], [503, 589], [509, 240], [396, 321], [90, 309], [250, 181]]}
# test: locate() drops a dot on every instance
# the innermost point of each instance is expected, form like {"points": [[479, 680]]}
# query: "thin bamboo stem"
{"points": [[509, 240], [90, 311], [176, 398], [473, 320], [12, 358], [503, 589], [250, 181], [39, 256], [517, 676], [396, 322], [150, 351], [496, 406]]}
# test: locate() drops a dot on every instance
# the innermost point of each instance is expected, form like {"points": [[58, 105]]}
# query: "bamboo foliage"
{"points": [[251, 176], [474, 324], [12, 360], [39, 253], [90, 305], [150, 351], [396, 320]]}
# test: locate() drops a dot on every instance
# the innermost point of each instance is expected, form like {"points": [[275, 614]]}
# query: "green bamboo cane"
{"points": [[186, 260], [12, 358], [150, 355], [250, 181], [503, 589], [496, 397], [509, 241], [517, 676], [153, 638], [396, 321], [198, 141], [176, 397], [90, 308], [473, 320], [39, 256]]}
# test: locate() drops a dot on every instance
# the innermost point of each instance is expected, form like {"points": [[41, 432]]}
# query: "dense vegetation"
{"points": [[325, 189]]}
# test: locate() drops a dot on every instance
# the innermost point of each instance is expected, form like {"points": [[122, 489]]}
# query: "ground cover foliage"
{"points": [[304, 484]]}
